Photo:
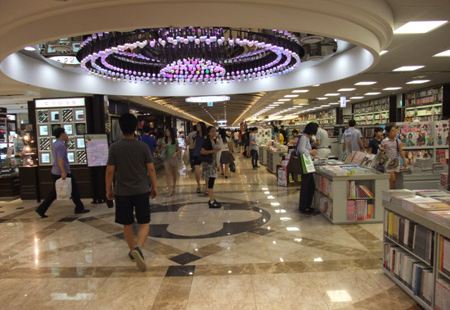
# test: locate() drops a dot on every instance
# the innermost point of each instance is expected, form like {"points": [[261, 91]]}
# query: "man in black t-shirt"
{"points": [[374, 144]]}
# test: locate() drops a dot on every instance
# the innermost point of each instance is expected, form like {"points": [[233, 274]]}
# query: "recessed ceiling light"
{"points": [[284, 99], [29, 48], [335, 103], [331, 94], [291, 96], [300, 91], [383, 52], [373, 93], [418, 82], [365, 83], [346, 89], [322, 98], [408, 68], [419, 26], [392, 88], [443, 54], [207, 99], [316, 85]]}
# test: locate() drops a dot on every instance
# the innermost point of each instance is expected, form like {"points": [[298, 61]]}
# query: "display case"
{"points": [[3, 134], [68, 113], [353, 198], [417, 246]]}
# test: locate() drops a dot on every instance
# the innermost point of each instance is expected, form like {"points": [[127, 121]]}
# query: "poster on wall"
{"points": [[96, 150], [416, 134]]}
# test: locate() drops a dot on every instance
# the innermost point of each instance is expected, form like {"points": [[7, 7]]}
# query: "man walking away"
{"points": [[130, 163], [149, 139], [61, 169], [352, 138]]}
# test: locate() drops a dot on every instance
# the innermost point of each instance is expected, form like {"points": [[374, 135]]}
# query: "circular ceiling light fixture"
{"points": [[206, 99], [190, 54]]}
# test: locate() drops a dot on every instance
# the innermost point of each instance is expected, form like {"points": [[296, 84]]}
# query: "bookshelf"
{"points": [[326, 117], [372, 112], [342, 199], [416, 252], [424, 104]]}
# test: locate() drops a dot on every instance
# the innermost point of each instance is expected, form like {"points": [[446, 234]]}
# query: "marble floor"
{"points": [[257, 252]]}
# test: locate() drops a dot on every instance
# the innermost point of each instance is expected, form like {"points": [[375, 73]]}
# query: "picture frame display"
{"points": [[43, 130]]}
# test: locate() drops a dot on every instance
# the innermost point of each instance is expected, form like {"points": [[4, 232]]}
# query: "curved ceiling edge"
{"points": [[364, 23], [36, 72]]}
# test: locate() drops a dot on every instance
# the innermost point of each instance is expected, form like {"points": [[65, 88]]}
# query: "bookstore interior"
{"points": [[387, 216]]}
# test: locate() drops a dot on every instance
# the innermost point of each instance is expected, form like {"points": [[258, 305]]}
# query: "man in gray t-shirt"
{"points": [[131, 164], [352, 138]]}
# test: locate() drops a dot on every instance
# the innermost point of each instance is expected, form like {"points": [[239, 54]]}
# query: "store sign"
{"points": [[67, 60], [60, 102], [343, 102]]}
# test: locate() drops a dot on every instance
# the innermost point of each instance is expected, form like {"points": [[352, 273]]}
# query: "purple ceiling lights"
{"points": [[189, 55]]}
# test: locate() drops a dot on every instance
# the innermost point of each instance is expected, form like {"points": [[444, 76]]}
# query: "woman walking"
{"points": [[307, 186], [224, 157], [199, 140], [171, 153], [393, 148], [208, 152]]}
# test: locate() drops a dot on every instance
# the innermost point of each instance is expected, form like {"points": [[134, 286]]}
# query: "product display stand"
{"points": [[406, 253], [273, 160], [334, 199]]}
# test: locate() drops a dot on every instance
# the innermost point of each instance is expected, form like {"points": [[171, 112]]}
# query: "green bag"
{"points": [[307, 164]]}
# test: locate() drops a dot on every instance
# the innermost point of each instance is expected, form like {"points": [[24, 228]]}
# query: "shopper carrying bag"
{"points": [[305, 153], [63, 189]]}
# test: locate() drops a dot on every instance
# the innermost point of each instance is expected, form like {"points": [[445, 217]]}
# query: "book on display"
{"points": [[442, 295]]}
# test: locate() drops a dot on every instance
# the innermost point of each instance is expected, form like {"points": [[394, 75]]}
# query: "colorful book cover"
{"points": [[351, 208], [441, 133]]}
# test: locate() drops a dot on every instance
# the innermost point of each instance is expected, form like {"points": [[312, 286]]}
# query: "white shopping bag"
{"points": [[63, 189]]}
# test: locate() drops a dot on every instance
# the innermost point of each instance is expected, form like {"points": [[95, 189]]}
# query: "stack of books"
{"points": [[360, 210], [356, 191]]}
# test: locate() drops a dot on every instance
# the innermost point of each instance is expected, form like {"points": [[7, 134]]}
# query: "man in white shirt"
{"points": [[322, 143], [352, 139]]}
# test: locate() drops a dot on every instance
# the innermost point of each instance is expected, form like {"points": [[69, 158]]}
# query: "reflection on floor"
{"points": [[255, 253]]}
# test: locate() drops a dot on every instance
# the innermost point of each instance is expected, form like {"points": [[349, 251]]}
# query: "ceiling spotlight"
{"points": [[322, 98], [291, 96], [29, 48], [205, 99], [331, 94], [418, 82], [357, 97], [364, 83], [392, 88], [407, 68], [336, 103], [443, 54], [374, 93], [346, 89], [383, 52], [297, 91], [419, 26], [284, 99]]}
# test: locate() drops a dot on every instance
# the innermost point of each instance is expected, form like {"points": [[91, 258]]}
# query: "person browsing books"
{"points": [[322, 143], [393, 148], [374, 144], [307, 186]]}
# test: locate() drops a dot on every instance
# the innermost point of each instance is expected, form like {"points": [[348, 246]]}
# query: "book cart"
{"points": [[350, 199], [417, 253]]}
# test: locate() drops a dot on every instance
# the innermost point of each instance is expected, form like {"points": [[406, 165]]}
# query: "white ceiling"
{"points": [[403, 49]]}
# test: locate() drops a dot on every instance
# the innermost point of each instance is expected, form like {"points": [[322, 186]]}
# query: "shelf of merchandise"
{"points": [[439, 229], [338, 195], [424, 103], [372, 112]]}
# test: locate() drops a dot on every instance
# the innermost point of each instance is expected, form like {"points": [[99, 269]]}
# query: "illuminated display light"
{"points": [[206, 99]]}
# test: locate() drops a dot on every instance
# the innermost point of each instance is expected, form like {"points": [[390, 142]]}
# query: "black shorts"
{"points": [[197, 161], [128, 206]]}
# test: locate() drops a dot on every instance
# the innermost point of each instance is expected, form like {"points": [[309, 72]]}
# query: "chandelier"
{"points": [[189, 55]]}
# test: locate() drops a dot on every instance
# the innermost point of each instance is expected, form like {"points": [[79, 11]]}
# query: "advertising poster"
{"points": [[96, 149]]}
